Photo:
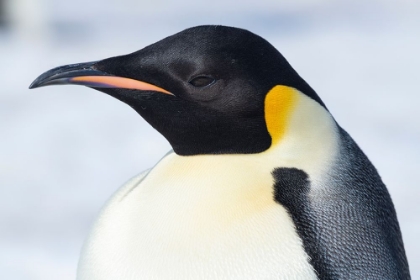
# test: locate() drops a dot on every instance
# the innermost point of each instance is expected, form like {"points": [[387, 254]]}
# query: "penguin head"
{"points": [[207, 89]]}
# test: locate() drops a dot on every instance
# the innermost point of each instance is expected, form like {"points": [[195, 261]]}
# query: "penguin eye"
{"points": [[202, 81]]}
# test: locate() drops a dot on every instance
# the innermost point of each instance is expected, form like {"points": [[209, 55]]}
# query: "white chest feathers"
{"points": [[214, 216], [195, 218]]}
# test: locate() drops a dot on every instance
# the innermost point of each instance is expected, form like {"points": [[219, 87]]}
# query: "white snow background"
{"points": [[65, 150]]}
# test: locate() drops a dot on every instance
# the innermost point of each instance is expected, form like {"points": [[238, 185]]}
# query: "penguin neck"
{"points": [[309, 141], [308, 138]]}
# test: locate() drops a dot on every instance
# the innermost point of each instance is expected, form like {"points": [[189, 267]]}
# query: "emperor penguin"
{"points": [[262, 183]]}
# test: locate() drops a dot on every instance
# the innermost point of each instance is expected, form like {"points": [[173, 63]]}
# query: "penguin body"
{"points": [[262, 182], [211, 217]]}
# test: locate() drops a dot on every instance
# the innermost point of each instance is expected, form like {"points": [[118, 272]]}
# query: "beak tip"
{"points": [[32, 85], [36, 83], [62, 75]]}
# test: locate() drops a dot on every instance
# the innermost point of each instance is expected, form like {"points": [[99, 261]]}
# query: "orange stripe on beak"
{"points": [[117, 82]]}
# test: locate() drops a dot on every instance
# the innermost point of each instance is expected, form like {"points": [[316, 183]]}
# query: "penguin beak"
{"points": [[86, 74]]}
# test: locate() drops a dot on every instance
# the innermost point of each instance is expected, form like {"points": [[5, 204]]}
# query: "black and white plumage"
{"points": [[262, 182]]}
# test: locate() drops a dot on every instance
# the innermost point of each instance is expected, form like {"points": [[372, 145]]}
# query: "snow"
{"points": [[65, 150]]}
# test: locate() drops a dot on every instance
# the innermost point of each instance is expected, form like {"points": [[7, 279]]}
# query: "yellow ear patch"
{"points": [[278, 106]]}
